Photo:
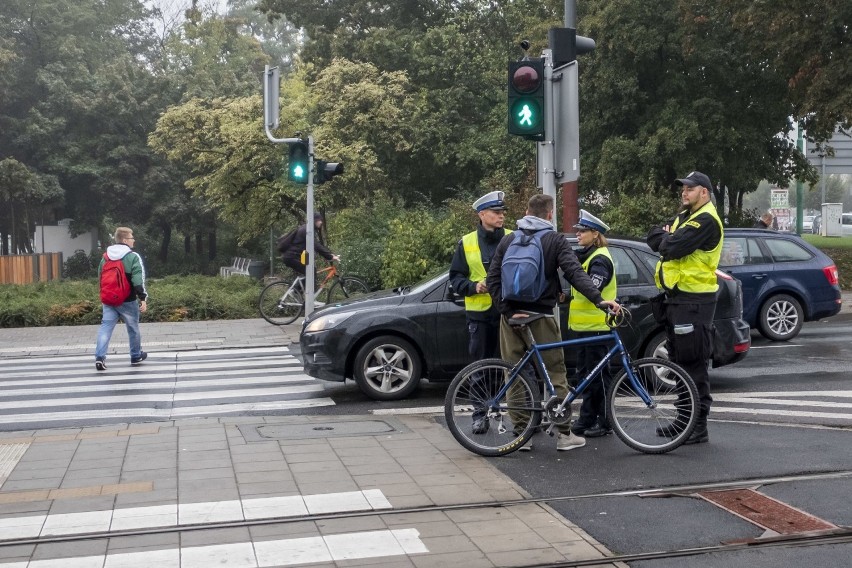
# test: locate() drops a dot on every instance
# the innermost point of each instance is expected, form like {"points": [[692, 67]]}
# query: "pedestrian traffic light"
{"points": [[327, 170], [299, 166], [526, 98]]}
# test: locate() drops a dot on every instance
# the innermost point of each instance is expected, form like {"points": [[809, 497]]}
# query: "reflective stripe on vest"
{"points": [[696, 272], [583, 315], [470, 243]]}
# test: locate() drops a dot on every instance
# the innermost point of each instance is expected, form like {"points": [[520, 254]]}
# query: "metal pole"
{"points": [[800, 143], [546, 147], [309, 233], [570, 13], [822, 180], [570, 189]]}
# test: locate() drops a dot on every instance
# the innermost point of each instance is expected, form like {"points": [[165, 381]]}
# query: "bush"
{"points": [[82, 265], [76, 302]]}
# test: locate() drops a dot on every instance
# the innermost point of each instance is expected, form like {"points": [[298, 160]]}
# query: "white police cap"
{"points": [[492, 200], [589, 221]]}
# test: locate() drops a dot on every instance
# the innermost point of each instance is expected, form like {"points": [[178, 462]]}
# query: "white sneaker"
{"points": [[526, 447], [567, 442]]}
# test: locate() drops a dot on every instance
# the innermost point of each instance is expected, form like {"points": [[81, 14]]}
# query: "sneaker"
{"points": [[138, 360], [100, 365], [480, 425], [526, 447], [567, 442]]}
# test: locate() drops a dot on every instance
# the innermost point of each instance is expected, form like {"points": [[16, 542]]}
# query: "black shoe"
{"points": [[138, 360], [480, 425], [699, 436], [597, 431], [100, 365], [579, 428]]}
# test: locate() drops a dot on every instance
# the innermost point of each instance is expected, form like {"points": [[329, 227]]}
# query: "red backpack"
{"points": [[114, 285]]}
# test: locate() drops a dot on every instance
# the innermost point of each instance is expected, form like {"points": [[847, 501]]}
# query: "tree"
{"points": [[670, 89], [806, 43]]}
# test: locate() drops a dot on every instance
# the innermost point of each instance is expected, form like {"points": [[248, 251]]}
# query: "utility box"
{"points": [[831, 226]]}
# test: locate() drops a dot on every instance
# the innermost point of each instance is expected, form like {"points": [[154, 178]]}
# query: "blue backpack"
{"points": [[522, 271]]}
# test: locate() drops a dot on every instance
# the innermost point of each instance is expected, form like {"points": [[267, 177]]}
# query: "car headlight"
{"points": [[327, 322]]}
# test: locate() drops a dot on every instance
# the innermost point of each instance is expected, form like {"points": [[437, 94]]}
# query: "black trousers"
{"points": [[483, 343], [593, 407], [689, 331]]}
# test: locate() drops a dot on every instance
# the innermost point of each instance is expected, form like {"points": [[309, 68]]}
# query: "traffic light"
{"points": [[526, 98], [299, 166], [327, 170]]}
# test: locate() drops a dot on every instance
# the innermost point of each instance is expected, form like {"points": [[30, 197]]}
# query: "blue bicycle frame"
{"points": [[534, 353]]}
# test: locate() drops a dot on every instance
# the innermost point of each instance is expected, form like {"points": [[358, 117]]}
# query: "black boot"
{"points": [[700, 435], [678, 424]]}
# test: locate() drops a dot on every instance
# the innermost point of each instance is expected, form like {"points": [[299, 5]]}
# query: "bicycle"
{"points": [[652, 404], [283, 301]]}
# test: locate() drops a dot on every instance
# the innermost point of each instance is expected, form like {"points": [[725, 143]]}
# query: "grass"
{"points": [[829, 242]]}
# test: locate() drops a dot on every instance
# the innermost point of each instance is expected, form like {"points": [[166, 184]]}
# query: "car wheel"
{"points": [[780, 318], [658, 348], [387, 368]]}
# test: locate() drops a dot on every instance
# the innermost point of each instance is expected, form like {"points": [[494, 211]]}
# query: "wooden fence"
{"points": [[29, 268]]}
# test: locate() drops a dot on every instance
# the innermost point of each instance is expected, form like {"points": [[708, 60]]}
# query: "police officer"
{"points": [[586, 320], [690, 248], [467, 277]]}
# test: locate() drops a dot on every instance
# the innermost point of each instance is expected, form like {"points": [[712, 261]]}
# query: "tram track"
{"points": [[841, 535]]}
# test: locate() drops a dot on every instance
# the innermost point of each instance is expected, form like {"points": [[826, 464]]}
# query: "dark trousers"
{"points": [[295, 264], [483, 343], [593, 407], [692, 347]]}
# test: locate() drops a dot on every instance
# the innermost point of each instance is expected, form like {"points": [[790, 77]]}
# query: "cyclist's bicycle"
{"points": [[283, 301], [651, 404]]}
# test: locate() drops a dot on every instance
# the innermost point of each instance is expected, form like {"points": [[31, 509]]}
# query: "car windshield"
{"points": [[424, 284]]}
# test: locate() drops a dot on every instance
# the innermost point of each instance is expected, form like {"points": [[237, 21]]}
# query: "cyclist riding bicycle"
{"points": [[293, 245]]}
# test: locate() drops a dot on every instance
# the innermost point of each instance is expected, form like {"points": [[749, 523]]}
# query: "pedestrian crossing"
{"points": [[68, 391], [831, 407]]}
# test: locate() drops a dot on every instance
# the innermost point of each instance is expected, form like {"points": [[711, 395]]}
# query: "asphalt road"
{"points": [[782, 423]]}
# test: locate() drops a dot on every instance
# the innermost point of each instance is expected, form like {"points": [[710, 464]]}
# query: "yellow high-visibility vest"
{"points": [[470, 243], [583, 315], [696, 272]]}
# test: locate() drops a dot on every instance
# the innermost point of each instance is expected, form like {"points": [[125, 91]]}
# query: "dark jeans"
{"points": [[294, 264], [593, 407], [484, 343]]}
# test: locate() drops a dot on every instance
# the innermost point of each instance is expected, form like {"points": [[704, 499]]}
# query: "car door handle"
{"points": [[632, 302], [758, 276]]}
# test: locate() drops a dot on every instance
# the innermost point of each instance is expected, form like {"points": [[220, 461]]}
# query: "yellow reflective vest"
{"points": [[583, 315], [695, 272], [473, 256]]}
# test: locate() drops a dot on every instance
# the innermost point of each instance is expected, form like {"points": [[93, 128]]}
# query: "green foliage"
{"points": [[421, 242], [76, 302], [633, 214], [81, 265]]}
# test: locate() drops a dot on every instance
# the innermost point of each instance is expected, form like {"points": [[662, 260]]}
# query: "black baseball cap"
{"points": [[695, 178]]}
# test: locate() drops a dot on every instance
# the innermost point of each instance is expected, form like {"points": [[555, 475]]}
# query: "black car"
{"points": [[388, 341]]}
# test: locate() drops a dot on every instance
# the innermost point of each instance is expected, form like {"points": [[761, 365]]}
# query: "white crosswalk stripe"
{"points": [[811, 407], [68, 391]]}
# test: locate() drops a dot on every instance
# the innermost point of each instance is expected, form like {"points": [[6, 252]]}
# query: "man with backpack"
{"points": [[293, 244], [122, 283], [523, 280]]}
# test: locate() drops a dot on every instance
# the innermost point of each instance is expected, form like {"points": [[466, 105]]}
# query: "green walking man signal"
{"points": [[526, 98], [299, 166]]}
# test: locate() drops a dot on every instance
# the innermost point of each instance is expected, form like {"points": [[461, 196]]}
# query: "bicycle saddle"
{"points": [[533, 316]]}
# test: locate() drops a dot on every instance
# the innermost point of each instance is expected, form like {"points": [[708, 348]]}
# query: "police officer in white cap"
{"points": [[586, 320], [467, 276]]}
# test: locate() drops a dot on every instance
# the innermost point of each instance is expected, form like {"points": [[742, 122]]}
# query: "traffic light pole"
{"points": [[570, 192], [546, 154], [271, 82]]}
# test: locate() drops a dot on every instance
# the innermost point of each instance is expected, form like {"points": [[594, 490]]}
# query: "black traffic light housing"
{"points": [[299, 166], [526, 98], [327, 170]]}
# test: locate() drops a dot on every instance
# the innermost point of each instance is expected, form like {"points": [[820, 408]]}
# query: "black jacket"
{"points": [[300, 243], [460, 271], [557, 254]]}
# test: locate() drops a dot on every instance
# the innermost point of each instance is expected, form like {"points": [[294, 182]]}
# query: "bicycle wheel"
{"points": [[510, 420], [673, 408], [346, 287], [280, 304]]}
